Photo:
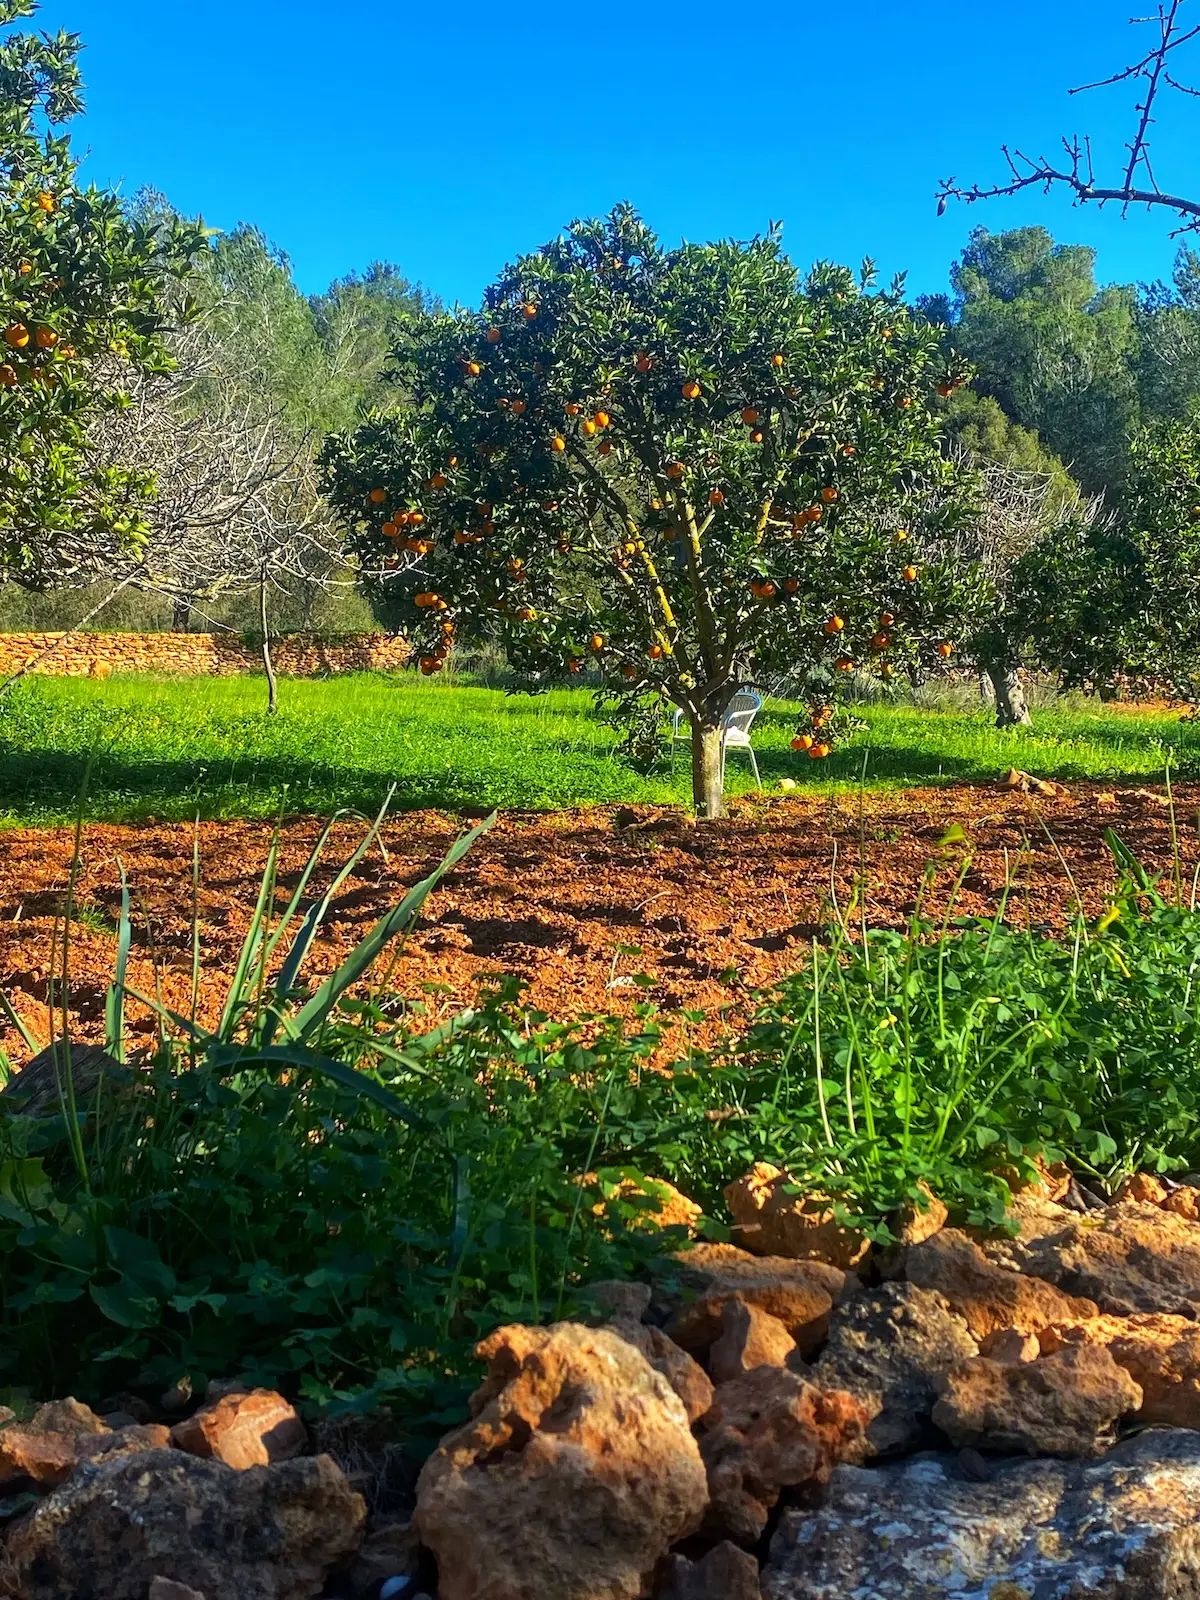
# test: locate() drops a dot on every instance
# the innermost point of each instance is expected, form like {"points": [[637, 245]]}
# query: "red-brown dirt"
{"points": [[565, 899]]}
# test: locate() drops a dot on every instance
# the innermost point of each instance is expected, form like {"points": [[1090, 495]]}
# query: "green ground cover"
{"points": [[171, 748]]}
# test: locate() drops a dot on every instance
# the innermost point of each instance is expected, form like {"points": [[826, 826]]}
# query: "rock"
{"points": [[800, 1293], [887, 1346], [1184, 1202], [687, 1377], [1065, 1404], [1122, 1528], [168, 1589], [1007, 1345], [772, 1219], [243, 1429], [269, 1533], [574, 1477], [60, 1435], [988, 1296], [1160, 1352], [750, 1337], [390, 1550], [767, 1431], [620, 1299], [917, 1221], [724, 1573], [1131, 1257], [1051, 1179], [663, 1204], [1143, 1187]]}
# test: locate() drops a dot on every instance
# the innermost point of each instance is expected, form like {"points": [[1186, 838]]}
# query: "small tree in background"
{"points": [[683, 465], [80, 286]]}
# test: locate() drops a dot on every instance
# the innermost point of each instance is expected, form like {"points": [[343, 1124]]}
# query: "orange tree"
{"points": [[685, 466], [79, 304]]}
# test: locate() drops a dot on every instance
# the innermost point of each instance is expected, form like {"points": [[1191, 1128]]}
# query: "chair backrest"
{"points": [[743, 709]]}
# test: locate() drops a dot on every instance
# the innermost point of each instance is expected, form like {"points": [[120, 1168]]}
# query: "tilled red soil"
{"points": [[576, 902]]}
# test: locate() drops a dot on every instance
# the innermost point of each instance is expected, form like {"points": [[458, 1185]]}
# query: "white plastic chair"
{"points": [[735, 728]]}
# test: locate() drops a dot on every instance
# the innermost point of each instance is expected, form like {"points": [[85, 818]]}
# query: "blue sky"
{"points": [[449, 138]]}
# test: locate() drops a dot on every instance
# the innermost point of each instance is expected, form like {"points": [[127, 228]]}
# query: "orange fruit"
{"points": [[904, 402], [474, 368], [834, 625], [558, 442], [818, 752], [886, 619], [945, 390], [572, 408], [887, 333], [691, 390], [945, 649], [880, 641], [605, 449], [802, 741], [527, 614], [844, 664], [515, 564], [493, 336], [46, 201], [716, 498], [438, 481], [46, 338], [588, 426], [597, 641], [563, 548], [642, 361], [416, 518], [848, 450], [390, 530], [574, 664], [462, 538], [8, 376], [777, 360], [909, 574], [376, 496], [829, 495], [601, 419], [792, 585], [518, 408], [529, 311], [629, 670], [655, 652], [549, 505], [25, 268], [901, 535], [675, 469], [749, 415]]}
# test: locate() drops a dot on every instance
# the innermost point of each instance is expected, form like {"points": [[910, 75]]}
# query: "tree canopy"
{"points": [[686, 466]]}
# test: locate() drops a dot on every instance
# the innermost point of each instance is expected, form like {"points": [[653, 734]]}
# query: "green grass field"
{"points": [[170, 749]]}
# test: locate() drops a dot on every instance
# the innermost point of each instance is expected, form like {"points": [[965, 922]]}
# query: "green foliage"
{"points": [[978, 424], [170, 750], [1053, 348], [359, 319], [82, 289], [328, 1194], [681, 463]]}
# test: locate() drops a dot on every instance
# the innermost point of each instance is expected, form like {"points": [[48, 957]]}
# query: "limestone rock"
{"points": [[1122, 1528], [750, 1337], [243, 1429], [663, 1206], [686, 1376], [988, 1296], [269, 1533], [800, 1293], [770, 1219], [620, 1298], [1130, 1257], [168, 1589], [574, 1477], [1184, 1202], [1007, 1345], [1066, 1404], [724, 1573], [1143, 1187], [767, 1431], [887, 1346], [390, 1549], [1161, 1353], [1051, 1181], [60, 1435]]}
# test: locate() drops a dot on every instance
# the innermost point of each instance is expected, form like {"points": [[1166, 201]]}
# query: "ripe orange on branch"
{"points": [[802, 741], [829, 495], [691, 390], [749, 416], [376, 496], [834, 625]]}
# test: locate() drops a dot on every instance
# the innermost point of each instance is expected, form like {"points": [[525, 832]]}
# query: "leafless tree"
{"points": [[1136, 182]]}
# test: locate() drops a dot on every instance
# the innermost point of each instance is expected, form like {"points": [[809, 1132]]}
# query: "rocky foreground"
{"points": [[798, 1416]]}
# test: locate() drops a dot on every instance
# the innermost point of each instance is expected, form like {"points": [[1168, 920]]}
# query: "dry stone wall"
{"points": [[99, 655]]}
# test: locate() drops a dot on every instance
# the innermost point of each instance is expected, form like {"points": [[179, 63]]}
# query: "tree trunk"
{"points": [[707, 783], [1011, 710], [268, 664], [181, 615]]}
